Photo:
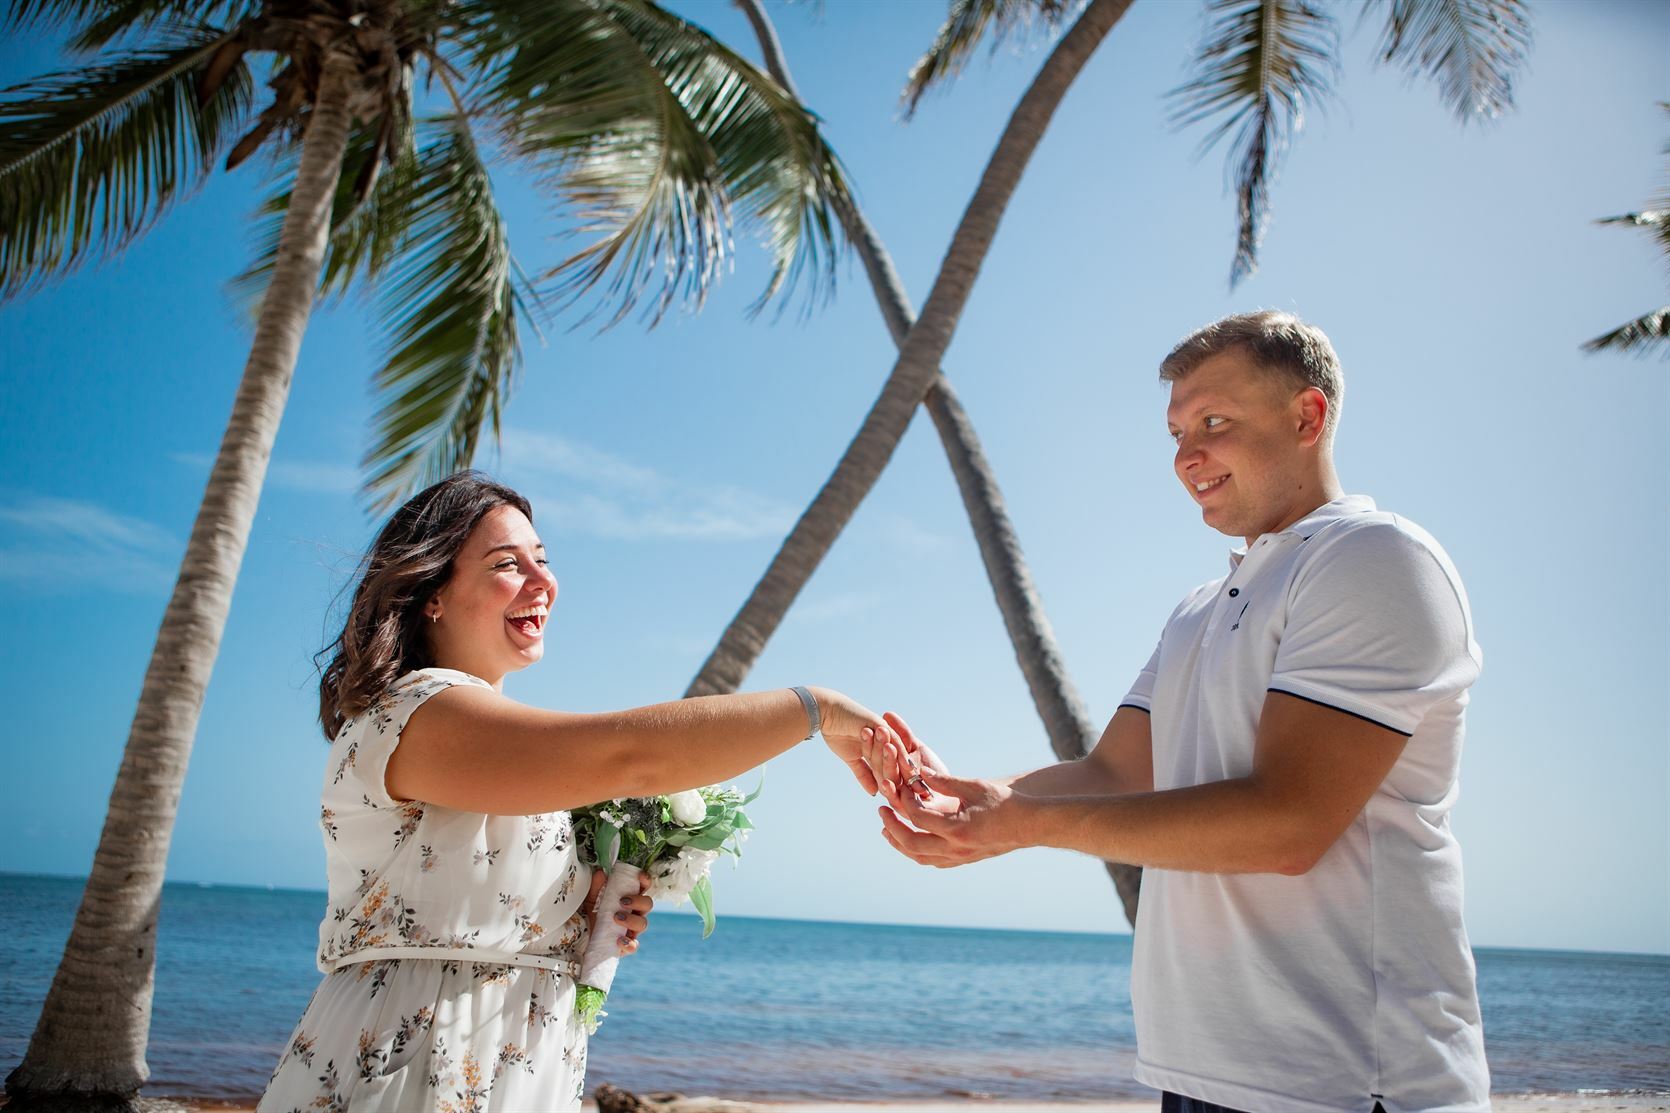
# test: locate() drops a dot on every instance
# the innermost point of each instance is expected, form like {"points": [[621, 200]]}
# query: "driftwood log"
{"points": [[612, 1099]]}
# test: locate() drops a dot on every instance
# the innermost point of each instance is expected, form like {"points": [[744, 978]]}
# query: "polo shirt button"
{"points": [[1234, 591]]}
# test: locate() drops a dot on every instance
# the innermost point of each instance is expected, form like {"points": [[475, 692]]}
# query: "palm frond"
{"points": [[93, 24], [658, 138], [967, 22], [1655, 221], [90, 159], [1259, 65], [1473, 49], [1648, 333], [450, 302]]}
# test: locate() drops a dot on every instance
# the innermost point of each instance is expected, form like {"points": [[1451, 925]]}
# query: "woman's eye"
{"points": [[504, 565], [543, 563]]}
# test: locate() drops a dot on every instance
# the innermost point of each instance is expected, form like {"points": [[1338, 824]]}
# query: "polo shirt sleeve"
{"points": [[1377, 627], [1141, 695]]}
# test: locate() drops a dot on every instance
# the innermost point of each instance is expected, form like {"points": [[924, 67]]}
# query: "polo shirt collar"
{"points": [[1343, 507]]}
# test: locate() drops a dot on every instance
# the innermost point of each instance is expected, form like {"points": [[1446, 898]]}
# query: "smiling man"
{"points": [[1284, 768]]}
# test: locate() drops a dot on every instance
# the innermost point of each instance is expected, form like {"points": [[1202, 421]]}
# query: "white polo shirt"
{"points": [[1352, 983]]}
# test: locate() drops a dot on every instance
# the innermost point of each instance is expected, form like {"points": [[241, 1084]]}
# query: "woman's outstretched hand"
{"points": [[853, 732], [628, 921], [900, 761]]}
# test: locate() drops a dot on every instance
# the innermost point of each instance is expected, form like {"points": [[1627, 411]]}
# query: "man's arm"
{"points": [[1314, 768], [1121, 762]]}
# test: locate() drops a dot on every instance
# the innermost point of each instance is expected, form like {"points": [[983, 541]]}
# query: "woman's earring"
{"points": [[434, 618]]}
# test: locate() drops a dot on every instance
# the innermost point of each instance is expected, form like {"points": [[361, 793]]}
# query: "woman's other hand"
{"points": [[628, 921]]}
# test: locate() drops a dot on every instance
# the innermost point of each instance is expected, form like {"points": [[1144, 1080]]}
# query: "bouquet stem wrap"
{"points": [[602, 957]]}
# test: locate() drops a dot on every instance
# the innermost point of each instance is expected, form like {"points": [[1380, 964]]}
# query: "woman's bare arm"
{"points": [[472, 749]]}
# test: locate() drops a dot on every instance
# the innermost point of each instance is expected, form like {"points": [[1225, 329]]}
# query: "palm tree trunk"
{"points": [[1066, 720], [88, 1049]]}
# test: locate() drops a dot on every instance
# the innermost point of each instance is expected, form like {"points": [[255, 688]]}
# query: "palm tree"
{"points": [[1651, 331], [1066, 720], [1261, 61], [654, 133]]}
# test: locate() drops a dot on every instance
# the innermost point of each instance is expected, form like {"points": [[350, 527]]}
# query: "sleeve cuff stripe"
{"points": [[1136, 707], [1344, 711]]}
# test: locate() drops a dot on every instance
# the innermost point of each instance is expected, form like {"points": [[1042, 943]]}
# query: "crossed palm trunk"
{"points": [[917, 377], [91, 1037]]}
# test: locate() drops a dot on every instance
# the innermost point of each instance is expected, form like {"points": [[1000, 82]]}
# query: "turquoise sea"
{"points": [[795, 1009]]}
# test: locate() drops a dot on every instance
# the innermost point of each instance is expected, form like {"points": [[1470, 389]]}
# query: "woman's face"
{"points": [[492, 612]]}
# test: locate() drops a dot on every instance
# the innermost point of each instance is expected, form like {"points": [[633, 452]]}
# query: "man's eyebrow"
{"points": [[1196, 405]]}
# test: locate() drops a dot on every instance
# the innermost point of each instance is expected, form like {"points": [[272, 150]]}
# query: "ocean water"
{"points": [[787, 1009]]}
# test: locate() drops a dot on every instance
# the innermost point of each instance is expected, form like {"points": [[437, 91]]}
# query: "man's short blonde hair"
{"points": [[1278, 343]]}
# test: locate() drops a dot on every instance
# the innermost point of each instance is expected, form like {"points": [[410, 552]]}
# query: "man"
{"points": [[1284, 768]]}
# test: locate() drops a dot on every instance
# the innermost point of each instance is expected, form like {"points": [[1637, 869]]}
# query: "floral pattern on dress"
{"points": [[447, 1033]]}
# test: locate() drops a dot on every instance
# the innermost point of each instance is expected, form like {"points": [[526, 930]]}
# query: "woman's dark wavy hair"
{"points": [[411, 559]]}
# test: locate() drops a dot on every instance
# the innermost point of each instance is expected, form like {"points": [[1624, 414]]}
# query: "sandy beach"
{"points": [[1507, 1103]]}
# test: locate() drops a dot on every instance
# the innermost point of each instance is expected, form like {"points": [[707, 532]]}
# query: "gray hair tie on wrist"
{"points": [[814, 717]]}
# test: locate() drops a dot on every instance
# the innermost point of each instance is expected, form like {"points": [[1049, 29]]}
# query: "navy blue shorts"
{"points": [[1177, 1103]]}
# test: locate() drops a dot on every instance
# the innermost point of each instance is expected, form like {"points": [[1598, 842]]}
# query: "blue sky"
{"points": [[1456, 270]]}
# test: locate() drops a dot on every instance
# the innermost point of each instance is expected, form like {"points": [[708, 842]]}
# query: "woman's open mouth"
{"points": [[529, 621]]}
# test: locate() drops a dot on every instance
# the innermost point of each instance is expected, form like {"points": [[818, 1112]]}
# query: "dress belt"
{"points": [[479, 955]]}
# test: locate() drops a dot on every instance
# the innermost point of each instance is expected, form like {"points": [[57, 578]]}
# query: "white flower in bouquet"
{"points": [[688, 807], [673, 878]]}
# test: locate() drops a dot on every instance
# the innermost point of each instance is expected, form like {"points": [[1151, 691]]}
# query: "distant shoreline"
{"points": [[1502, 1103], [1126, 935]]}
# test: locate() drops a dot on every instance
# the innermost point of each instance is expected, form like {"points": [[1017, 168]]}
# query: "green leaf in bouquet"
{"points": [[588, 1002], [701, 897], [608, 845], [755, 795], [742, 823], [713, 840]]}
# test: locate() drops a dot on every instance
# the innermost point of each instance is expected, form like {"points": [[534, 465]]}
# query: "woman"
{"points": [[455, 915]]}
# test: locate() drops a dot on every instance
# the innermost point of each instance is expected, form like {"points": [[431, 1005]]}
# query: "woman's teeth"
{"points": [[529, 620]]}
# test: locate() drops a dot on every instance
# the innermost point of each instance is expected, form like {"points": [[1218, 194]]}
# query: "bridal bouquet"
{"points": [[675, 839]]}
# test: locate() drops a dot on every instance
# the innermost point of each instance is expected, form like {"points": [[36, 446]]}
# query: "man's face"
{"points": [[1246, 444]]}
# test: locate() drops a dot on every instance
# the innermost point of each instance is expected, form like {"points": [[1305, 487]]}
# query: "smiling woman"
{"points": [[457, 905]]}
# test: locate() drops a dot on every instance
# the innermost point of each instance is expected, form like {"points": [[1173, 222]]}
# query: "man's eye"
{"points": [[1176, 437], [1214, 422]]}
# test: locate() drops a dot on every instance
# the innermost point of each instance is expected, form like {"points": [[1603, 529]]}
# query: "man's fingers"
{"points": [[947, 785], [938, 861], [934, 821], [923, 840]]}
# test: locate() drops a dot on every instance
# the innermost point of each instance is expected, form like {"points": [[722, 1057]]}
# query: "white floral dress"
{"points": [[449, 948]]}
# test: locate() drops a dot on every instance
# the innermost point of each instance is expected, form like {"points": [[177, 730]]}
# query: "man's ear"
{"points": [[1311, 410]]}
